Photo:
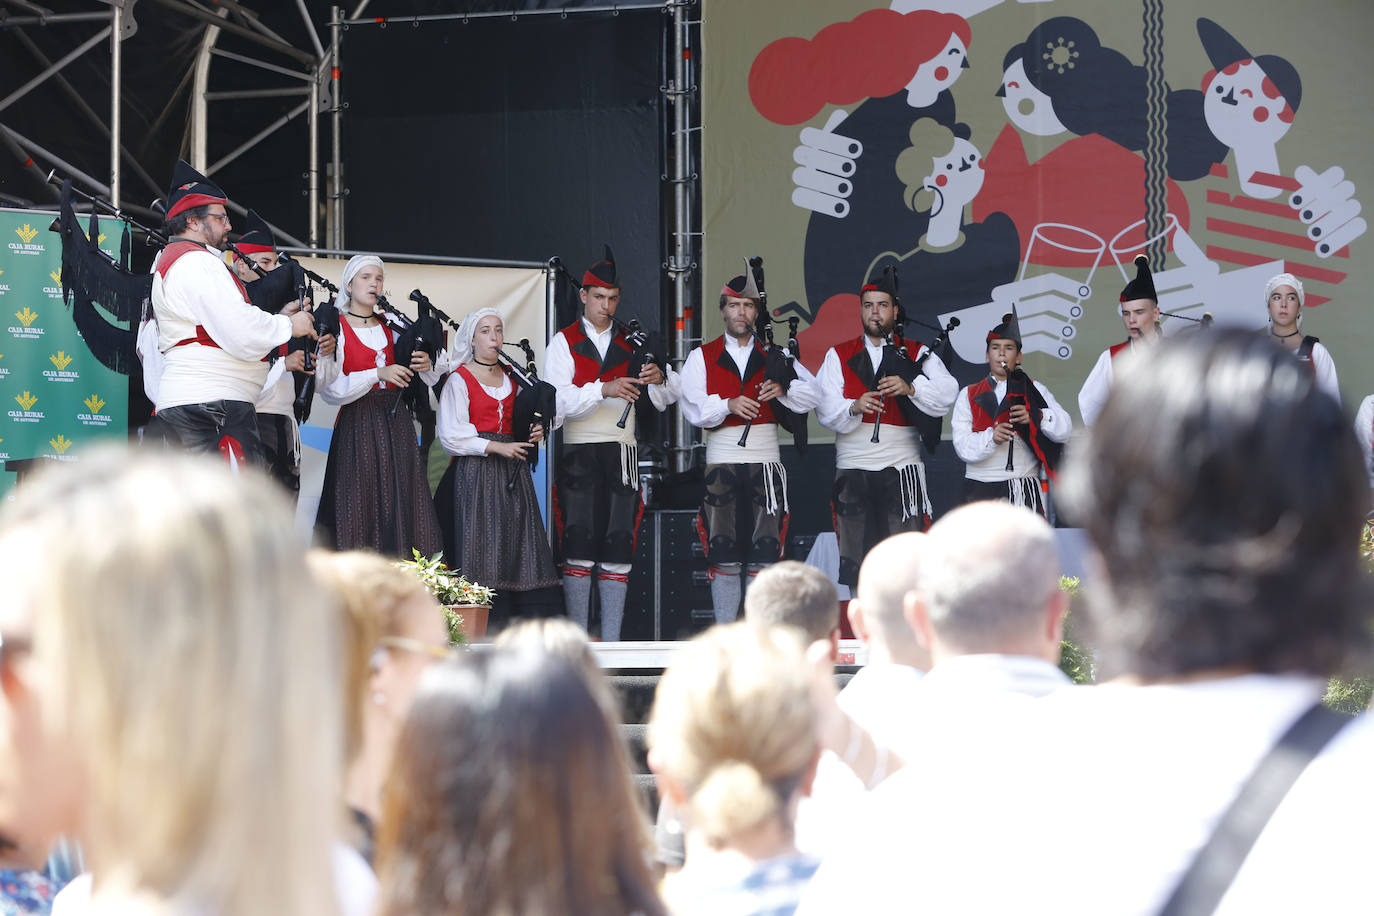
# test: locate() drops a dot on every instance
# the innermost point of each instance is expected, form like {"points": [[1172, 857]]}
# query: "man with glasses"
{"points": [[213, 341]]}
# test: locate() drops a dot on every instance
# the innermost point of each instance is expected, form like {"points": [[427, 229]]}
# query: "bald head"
{"points": [[992, 582], [890, 570]]}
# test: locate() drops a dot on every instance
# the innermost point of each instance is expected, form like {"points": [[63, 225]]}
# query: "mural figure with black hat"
{"points": [[740, 389], [1140, 313], [214, 342], [281, 438], [1008, 429], [882, 398], [599, 372]]}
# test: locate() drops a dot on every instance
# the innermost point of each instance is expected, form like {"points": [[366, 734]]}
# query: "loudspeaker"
{"points": [[670, 595]]}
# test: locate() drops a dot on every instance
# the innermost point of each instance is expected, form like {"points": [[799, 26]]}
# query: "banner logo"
{"points": [[4, 455], [27, 414], [56, 277], [4, 287], [61, 360], [95, 417], [27, 233], [3, 371], [25, 329], [100, 239], [54, 292], [61, 444]]}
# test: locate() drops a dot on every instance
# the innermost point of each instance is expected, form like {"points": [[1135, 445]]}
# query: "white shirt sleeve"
{"points": [[345, 387], [242, 330], [454, 429], [574, 401], [935, 389], [834, 408], [1092, 397], [1364, 434], [1326, 371], [666, 394], [803, 394], [1055, 421], [971, 447], [705, 411]]}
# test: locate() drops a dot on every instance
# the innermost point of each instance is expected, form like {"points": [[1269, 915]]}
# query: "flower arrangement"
{"points": [[449, 589]]}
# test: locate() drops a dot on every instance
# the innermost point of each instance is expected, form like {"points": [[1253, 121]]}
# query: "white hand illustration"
{"points": [[826, 162], [1326, 204]]}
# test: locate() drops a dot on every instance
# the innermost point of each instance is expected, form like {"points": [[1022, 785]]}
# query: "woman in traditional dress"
{"points": [[492, 529], [1284, 296], [375, 494]]}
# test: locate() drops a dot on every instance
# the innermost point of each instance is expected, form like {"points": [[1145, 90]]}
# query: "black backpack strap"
{"points": [[1214, 868], [1305, 348]]}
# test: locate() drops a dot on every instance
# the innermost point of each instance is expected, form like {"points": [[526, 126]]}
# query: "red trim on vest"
{"points": [[726, 383], [982, 421], [854, 388], [586, 369], [202, 337], [1117, 348], [484, 411], [174, 252], [358, 356]]}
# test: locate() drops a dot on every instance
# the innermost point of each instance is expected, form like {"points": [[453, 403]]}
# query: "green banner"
{"points": [[57, 398]]}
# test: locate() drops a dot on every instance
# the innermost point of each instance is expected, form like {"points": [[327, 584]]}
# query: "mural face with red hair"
{"points": [[937, 74]]}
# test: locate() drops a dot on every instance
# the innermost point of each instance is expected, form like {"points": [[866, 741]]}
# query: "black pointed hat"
{"points": [[1143, 286], [258, 237], [1223, 50], [191, 189], [602, 273], [884, 283], [748, 285], [1009, 329]]}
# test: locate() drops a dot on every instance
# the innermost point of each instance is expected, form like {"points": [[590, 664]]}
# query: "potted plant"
{"points": [[466, 604]]}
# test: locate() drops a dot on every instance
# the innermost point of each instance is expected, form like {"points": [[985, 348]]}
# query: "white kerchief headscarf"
{"points": [[462, 343], [1284, 280], [355, 264]]}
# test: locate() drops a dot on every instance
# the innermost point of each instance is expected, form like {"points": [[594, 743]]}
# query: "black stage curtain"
{"points": [[500, 139]]}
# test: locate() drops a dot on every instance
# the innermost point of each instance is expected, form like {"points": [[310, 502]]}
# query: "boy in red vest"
{"points": [[597, 503], [873, 385], [725, 388], [1007, 428], [1140, 314]]}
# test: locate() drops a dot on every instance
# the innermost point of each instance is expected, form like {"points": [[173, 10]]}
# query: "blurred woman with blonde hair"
{"points": [[733, 741], [186, 666]]}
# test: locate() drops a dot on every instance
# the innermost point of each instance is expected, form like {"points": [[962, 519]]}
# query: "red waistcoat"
{"points": [[857, 371], [723, 379], [484, 411], [1115, 349], [588, 365], [358, 356]]}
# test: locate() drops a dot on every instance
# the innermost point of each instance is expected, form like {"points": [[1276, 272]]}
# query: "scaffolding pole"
{"points": [[116, 80], [681, 263], [336, 193]]}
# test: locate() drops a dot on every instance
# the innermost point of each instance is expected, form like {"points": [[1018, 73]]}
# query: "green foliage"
{"points": [[1349, 695], [1075, 660]]}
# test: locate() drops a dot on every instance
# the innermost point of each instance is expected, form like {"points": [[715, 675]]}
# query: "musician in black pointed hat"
{"points": [[727, 386], [598, 368], [1008, 429], [1140, 314], [277, 426], [876, 393], [214, 342]]}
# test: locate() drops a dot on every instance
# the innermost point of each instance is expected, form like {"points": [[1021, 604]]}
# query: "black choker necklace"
{"points": [[1296, 331], [480, 363], [363, 317]]}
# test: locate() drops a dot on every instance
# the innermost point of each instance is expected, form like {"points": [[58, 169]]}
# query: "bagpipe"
{"points": [[779, 366], [1021, 389], [897, 361], [536, 401], [645, 345]]}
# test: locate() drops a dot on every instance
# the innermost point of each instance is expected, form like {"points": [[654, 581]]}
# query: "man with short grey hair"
{"points": [[793, 594]]}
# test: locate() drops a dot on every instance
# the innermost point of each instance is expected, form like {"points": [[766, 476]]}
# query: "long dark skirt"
{"points": [[375, 494], [491, 526]]}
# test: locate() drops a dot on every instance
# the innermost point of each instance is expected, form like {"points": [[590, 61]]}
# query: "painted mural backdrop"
{"points": [[56, 396], [1027, 152]]}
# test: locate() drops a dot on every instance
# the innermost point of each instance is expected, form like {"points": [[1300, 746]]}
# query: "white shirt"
{"points": [[1364, 434], [200, 290], [985, 459], [897, 446], [583, 414], [1095, 800], [708, 411], [454, 428], [1325, 368], [340, 388], [278, 395]]}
